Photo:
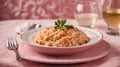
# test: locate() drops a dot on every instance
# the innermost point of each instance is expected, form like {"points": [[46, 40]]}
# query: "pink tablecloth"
{"points": [[7, 57]]}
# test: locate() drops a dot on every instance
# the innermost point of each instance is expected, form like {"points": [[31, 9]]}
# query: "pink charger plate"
{"points": [[100, 50]]}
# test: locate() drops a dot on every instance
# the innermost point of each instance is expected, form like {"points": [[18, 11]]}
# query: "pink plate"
{"points": [[93, 53]]}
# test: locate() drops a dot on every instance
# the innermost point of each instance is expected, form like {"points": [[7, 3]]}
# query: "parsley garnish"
{"points": [[60, 24]]}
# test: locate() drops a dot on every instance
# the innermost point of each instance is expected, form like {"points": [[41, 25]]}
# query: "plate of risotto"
{"points": [[61, 39]]}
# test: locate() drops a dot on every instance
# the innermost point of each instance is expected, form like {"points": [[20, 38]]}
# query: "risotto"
{"points": [[61, 37]]}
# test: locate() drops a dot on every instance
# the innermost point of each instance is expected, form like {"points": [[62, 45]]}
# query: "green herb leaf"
{"points": [[69, 26], [61, 25], [56, 24], [63, 22], [76, 29]]}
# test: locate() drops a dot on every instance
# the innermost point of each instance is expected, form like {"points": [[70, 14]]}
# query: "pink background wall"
{"points": [[40, 9]]}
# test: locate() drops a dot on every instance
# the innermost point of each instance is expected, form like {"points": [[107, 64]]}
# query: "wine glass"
{"points": [[111, 15], [86, 14]]}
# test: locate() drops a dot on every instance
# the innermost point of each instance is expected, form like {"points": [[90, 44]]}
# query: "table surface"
{"points": [[7, 57]]}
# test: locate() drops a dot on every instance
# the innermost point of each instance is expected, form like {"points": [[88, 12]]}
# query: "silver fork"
{"points": [[13, 45]]}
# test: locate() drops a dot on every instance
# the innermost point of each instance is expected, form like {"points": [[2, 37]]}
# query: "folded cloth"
{"points": [[20, 29]]}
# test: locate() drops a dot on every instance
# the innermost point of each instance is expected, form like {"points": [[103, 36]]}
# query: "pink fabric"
{"points": [[7, 57], [39, 9]]}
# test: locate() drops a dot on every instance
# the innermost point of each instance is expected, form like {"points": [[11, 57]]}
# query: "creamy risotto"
{"points": [[61, 37]]}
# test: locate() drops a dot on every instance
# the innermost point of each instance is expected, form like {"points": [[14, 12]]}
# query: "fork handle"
{"points": [[18, 57]]}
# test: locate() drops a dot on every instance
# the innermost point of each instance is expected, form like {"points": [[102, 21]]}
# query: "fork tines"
{"points": [[12, 43]]}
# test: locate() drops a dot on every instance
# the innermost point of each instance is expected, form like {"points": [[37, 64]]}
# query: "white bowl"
{"points": [[94, 36]]}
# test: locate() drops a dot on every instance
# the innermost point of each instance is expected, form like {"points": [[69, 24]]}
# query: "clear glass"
{"points": [[111, 15], [86, 14]]}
